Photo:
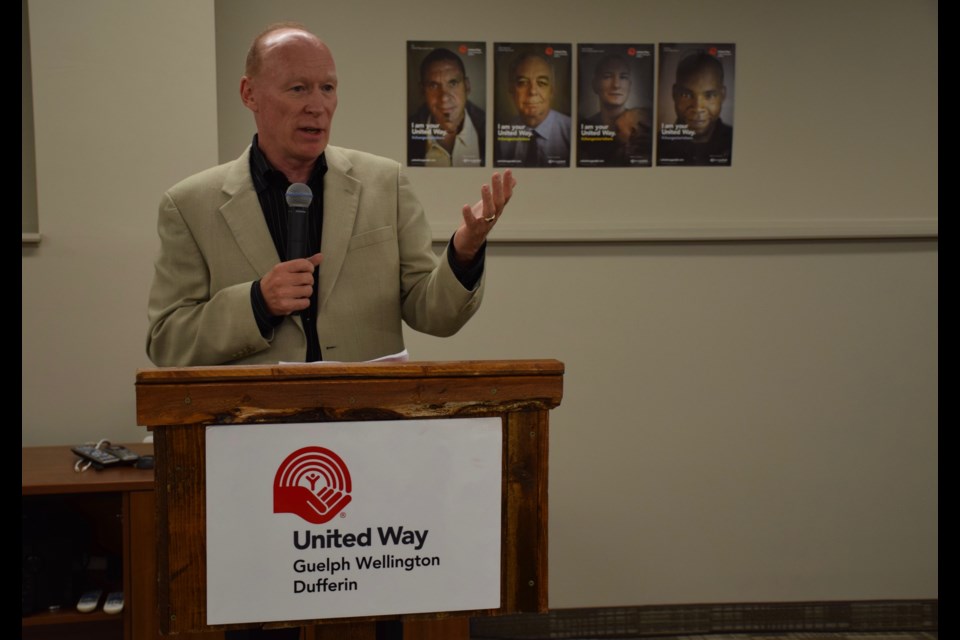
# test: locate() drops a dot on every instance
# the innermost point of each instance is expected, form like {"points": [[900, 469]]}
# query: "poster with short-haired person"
{"points": [[446, 96], [615, 105], [532, 99], [695, 105]]}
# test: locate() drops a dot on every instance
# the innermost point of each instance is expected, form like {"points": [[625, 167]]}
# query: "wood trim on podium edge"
{"points": [[174, 402]]}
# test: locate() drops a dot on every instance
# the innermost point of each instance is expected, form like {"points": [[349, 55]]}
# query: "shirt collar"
{"points": [[264, 175]]}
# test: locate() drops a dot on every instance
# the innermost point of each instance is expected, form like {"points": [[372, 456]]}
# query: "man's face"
{"points": [[445, 92], [532, 89], [611, 82], [698, 99], [293, 96]]}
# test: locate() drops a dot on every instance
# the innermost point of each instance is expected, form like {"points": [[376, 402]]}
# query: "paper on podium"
{"points": [[402, 356]]}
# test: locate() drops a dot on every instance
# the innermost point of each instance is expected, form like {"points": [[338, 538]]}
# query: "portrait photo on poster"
{"points": [[446, 98], [695, 105], [532, 104], [615, 105]]}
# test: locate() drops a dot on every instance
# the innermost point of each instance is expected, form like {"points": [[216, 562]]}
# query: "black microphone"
{"points": [[299, 197]]}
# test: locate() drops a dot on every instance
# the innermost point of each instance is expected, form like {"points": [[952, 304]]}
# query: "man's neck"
{"points": [[294, 171], [609, 113], [706, 135], [300, 172], [449, 139], [540, 122]]}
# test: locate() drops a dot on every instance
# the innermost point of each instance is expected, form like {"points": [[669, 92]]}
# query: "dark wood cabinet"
{"points": [[90, 530]]}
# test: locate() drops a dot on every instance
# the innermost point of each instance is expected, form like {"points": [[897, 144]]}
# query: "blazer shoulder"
{"points": [[215, 179], [351, 161]]}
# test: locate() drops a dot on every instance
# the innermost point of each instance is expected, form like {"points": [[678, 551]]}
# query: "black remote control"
{"points": [[107, 456], [126, 456]]}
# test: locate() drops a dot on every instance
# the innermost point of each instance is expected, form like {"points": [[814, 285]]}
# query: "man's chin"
{"points": [[702, 134], [701, 129], [309, 153], [534, 121], [449, 126]]}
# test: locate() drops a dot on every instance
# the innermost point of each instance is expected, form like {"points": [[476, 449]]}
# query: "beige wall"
{"points": [[835, 128], [741, 421], [124, 106]]}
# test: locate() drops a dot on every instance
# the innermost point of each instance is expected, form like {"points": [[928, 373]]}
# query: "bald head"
{"points": [[269, 38]]}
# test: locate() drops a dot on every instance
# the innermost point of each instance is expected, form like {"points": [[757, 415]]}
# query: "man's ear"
{"points": [[466, 84], [247, 94]]}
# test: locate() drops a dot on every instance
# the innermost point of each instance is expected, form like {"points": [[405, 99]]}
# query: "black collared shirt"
{"points": [[271, 186]]}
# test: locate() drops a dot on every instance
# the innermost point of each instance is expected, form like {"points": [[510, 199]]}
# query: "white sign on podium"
{"points": [[344, 519]]}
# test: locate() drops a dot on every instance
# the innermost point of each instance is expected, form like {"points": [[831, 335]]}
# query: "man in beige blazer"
{"points": [[378, 265]]}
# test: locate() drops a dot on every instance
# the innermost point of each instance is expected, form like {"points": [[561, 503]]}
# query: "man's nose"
{"points": [[315, 103]]}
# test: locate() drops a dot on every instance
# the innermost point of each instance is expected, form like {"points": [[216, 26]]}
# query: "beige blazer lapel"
{"points": [[341, 200], [244, 216]]}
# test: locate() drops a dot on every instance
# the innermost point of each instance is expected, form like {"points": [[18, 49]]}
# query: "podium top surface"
{"points": [[344, 391], [320, 370]]}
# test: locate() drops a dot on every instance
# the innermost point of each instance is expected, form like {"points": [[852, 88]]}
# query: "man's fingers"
{"points": [[497, 184], [300, 265], [502, 190], [509, 182], [288, 286], [489, 208], [469, 218]]}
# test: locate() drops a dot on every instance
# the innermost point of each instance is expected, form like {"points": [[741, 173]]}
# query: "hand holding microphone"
{"points": [[288, 286]]}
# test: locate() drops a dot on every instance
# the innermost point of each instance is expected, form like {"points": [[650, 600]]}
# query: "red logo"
{"points": [[712, 51], [631, 52], [549, 51], [312, 483], [463, 49]]}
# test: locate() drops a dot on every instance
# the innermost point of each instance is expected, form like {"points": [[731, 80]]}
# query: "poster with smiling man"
{"points": [[446, 94], [696, 105]]}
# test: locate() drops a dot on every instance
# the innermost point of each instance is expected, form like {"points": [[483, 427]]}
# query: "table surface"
{"points": [[49, 470]]}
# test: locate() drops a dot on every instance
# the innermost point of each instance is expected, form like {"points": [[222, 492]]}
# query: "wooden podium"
{"points": [[178, 403]]}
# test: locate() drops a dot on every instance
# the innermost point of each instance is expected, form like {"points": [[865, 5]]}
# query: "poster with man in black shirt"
{"points": [[696, 105]]}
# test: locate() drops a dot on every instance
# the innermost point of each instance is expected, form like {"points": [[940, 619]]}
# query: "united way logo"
{"points": [[312, 483]]}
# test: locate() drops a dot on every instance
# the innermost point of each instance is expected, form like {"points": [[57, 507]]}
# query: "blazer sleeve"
{"points": [[433, 300]]}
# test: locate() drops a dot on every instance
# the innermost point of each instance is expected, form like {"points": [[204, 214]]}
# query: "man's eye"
{"points": [[543, 84], [298, 88]]}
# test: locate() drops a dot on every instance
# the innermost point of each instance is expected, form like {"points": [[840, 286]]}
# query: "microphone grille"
{"points": [[299, 195]]}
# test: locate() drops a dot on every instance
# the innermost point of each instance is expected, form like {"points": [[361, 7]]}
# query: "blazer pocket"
{"points": [[374, 236]]}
